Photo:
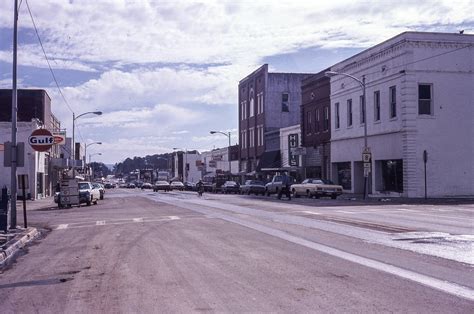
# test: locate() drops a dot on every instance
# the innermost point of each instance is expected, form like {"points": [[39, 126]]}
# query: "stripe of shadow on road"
{"points": [[44, 282]]}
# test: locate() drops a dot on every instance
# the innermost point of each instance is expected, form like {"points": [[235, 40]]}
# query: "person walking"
{"points": [[285, 186]]}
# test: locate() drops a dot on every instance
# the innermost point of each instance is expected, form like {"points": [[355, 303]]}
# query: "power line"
{"points": [[46, 57]]}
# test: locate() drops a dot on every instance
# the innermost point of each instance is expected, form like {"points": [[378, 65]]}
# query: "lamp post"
{"points": [[74, 118], [87, 145], [228, 149], [90, 156], [85, 151], [185, 162], [366, 148], [14, 108]]}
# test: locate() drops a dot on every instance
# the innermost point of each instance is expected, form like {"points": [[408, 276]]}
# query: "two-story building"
{"points": [[419, 103], [315, 125]]}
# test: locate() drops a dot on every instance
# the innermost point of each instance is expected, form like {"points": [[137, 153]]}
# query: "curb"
{"points": [[13, 249]]}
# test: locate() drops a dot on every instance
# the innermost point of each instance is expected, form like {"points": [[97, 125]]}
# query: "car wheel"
{"points": [[333, 197], [89, 201], [267, 193], [95, 202], [317, 196], [308, 194]]}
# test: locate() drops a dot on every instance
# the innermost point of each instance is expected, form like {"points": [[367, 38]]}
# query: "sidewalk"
{"points": [[402, 200], [47, 202], [13, 242]]}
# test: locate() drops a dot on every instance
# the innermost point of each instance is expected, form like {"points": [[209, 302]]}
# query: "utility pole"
{"points": [[13, 191]]}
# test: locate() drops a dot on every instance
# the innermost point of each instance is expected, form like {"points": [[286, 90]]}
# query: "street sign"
{"points": [[59, 138], [298, 150], [366, 172], [366, 157], [20, 154], [367, 165], [41, 140]]}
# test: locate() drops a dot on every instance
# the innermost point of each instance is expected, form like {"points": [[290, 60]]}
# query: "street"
{"points": [[148, 252]]}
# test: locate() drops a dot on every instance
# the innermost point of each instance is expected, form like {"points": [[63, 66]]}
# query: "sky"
{"points": [[165, 73]]}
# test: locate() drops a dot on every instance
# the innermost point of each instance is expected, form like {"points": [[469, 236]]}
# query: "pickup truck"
{"points": [[274, 186]]}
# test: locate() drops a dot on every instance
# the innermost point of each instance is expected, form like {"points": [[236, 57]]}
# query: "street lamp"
{"points": [[74, 118], [87, 145], [228, 149], [185, 162], [90, 156], [363, 86]]}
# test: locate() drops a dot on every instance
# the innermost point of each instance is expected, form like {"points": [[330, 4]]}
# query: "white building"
{"points": [[186, 166], [217, 160], [420, 97], [36, 163]]}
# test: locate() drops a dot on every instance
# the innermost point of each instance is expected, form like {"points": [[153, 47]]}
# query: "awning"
{"points": [[269, 160]]}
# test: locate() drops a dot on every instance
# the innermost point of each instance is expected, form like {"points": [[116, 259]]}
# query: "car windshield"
{"points": [[84, 186]]}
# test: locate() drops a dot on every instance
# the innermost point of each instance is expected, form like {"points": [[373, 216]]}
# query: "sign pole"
{"points": [[23, 186]]}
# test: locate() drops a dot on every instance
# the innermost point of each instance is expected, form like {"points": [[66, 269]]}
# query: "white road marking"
{"points": [[62, 226], [137, 219], [174, 217], [311, 213], [344, 212], [100, 222]]}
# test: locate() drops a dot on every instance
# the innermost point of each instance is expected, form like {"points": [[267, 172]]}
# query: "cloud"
{"points": [[221, 31]]}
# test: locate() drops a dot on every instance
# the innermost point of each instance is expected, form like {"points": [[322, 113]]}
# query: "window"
{"points": [[362, 109], [285, 102], [326, 118], [377, 106], [316, 113], [349, 112], [336, 111], [260, 135], [393, 101], [425, 103], [308, 122], [252, 137], [252, 104], [244, 109], [260, 103]]}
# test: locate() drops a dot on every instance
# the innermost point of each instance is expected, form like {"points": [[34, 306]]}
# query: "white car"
{"points": [[87, 193], [177, 185]]}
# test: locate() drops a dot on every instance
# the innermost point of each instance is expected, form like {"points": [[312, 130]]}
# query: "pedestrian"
{"points": [[285, 186]]}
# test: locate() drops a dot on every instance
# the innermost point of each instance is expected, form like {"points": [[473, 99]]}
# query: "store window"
{"points": [[344, 175], [392, 175]]}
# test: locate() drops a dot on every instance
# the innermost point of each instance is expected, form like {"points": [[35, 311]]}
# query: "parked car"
{"points": [[275, 186], [131, 186], [161, 185], [316, 188], [190, 186], [101, 189], [147, 186], [253, 187], [177, 185], [109, 186], [87, 193], [230, 187]]}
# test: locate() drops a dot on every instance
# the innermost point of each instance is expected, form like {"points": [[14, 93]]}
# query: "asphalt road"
{"points": [[139, 251]]}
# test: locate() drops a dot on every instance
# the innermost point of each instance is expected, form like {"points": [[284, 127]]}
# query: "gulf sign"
{"points": [[59, 138], [41, 140]]}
